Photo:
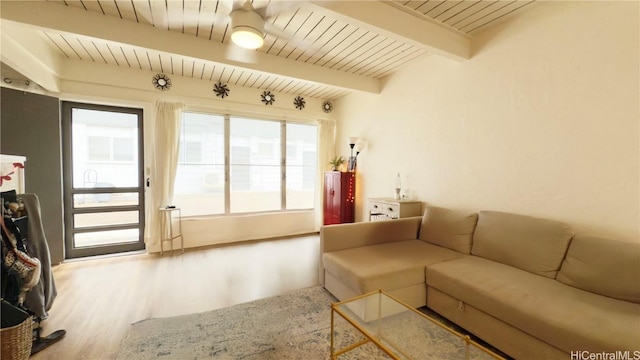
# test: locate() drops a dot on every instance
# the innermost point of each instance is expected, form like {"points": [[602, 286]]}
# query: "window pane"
{"points": [[192, 151], [301, 165], [123, 149], [99, 148], [104, 148], [105, 218], [199, 187], [104, 199], [255, 165], [107, 237]]}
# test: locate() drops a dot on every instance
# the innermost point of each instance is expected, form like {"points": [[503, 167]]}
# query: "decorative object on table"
{"points": [[336, 162], [268, 98], [357, 145], [299, 102], [161, 82], [398, 186], [221, 90], [327, 106]]}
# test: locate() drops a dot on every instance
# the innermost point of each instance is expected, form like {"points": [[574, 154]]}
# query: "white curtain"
{"points": [[326, 150], [164, 162]]}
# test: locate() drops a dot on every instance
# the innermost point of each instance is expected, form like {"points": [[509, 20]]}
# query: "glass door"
{"points": [[103, 179]]}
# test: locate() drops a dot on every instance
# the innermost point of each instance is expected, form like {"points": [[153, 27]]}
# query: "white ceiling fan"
{"points": [[249, 25]]}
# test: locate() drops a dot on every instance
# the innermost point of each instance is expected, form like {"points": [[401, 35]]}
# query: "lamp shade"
{"points": [[352, 140], [247, 29]]}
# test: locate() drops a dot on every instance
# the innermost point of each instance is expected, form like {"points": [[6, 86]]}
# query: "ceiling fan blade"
{"points": [[303, 44], [271, 8], [142, 11], [154, 12], [205, 13], [160, 16]]}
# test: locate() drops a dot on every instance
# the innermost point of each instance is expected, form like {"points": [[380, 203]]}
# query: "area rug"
{"points": [[296, 325]]}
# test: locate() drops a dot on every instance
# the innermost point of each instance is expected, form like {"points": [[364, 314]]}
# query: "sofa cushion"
{"points": [[528, 243], [385, 266], [562, 316], [448, 228], [603, 266]]}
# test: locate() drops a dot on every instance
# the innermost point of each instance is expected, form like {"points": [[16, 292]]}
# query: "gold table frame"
{"points": [[369, 337]]}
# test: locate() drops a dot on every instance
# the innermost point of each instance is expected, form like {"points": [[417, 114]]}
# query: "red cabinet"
{"points": [[339, 197]]}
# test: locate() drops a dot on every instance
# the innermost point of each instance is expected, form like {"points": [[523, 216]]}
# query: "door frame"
{"points": [[69, 191]]}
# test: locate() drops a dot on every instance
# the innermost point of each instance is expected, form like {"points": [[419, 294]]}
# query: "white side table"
{"points": [[389, 208], [167, 232]]}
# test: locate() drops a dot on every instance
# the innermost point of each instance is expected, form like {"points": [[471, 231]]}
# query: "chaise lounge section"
{"points": [[526, 285]]}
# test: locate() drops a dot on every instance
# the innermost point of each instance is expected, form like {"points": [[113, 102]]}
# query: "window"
{"points": [[192, 151], [99, 148], [301, 165], [255, 165], [105, 148], [249, 153], [199, 187], [121, 150]]}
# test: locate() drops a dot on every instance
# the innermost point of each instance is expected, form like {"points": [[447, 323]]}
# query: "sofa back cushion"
{"points": [[528, 243], [603, 266], [448, 228]]}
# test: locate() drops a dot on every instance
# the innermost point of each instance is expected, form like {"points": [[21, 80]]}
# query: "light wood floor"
{"points": [[98, 299]]}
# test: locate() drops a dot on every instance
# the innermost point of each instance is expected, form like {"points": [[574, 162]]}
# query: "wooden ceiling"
{"points": [[322, 38]]}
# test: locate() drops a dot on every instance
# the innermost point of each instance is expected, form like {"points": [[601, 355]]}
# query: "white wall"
{"points": [[543, 121], [228, 229]]}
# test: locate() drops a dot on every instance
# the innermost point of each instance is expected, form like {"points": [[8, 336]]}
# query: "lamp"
{"points": [[247, 27], [354, 143], [360, 145]]}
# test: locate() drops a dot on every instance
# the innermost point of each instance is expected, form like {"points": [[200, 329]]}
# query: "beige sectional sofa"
{"points": [[528, 286]]}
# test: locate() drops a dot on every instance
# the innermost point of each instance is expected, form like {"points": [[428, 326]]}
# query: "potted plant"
{"points": [[336, 162]]}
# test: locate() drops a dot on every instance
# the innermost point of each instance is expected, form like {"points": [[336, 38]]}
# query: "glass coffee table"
{"points": [[400, 331]]}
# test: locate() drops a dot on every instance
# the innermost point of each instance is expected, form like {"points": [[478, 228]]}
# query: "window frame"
{"points": [[227, 162]]}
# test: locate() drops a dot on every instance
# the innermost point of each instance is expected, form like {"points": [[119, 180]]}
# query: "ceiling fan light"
{"points": [[247, 29], [247, 37]]}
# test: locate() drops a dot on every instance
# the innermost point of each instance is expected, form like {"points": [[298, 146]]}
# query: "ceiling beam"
{"points": [[53, 16], [35, 63], [385, 18]]}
